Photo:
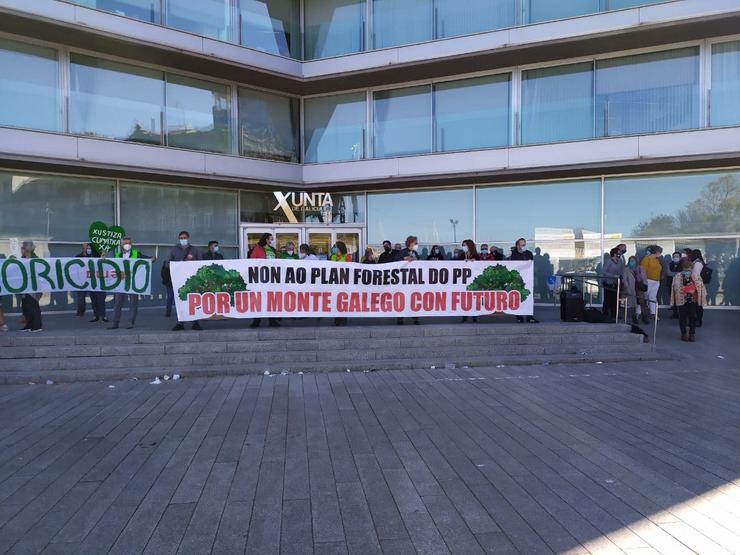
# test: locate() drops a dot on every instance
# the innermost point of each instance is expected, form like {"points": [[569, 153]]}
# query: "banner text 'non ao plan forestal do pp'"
{"points": [[306, 289]]}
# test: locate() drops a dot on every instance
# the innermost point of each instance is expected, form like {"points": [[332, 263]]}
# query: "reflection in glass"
{"points": [[558, 103], [725, 92], [208, 18], [648, 93], [197, 114], [580, 256], [146, 10], [402, 121], [406, 22], [334, 127], [473, 113], [547, 10], [557, 211], [673, 205], [271, 26], [333, 27], [52, 207], [268, 125], [119, 101], [435, 217], [453, 18], [262, 208], [157, 213], [29, 94]]}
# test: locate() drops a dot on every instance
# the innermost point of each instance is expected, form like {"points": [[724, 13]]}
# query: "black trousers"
{"points": [[97, 300], [32, 312], [687, 316], [610, 302]]}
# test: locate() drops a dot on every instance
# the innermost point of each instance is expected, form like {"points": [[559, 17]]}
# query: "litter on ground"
{"points": [[156, 381]]}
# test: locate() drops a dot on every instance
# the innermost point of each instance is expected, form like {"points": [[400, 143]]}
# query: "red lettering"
{"points": [[515, 300], [194, 302], [274, 301], [223, 302], [501, 301], [209, 303]]}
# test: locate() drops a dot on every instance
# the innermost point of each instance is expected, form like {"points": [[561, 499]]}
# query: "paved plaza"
{"points": [[610, 458]]}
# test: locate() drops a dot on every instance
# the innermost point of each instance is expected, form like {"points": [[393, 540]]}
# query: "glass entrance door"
{"points": [[320, 238]]}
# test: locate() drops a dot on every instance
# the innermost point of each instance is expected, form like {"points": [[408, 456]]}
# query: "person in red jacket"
{"points": [[263, 249]]}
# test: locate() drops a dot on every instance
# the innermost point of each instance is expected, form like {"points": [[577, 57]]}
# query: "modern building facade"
{"points": [[577, 124]]}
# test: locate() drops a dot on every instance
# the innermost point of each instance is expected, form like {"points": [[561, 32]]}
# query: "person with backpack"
{"points": [[700, 270], [688, 294]]}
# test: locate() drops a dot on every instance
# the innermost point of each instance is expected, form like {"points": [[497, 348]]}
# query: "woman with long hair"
{"points": [[469, 254]]}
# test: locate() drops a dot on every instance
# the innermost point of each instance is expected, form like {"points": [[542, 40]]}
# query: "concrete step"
{"points": [[147, 372]]}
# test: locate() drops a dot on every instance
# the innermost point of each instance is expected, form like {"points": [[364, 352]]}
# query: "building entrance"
{"points": [[319, 238]]}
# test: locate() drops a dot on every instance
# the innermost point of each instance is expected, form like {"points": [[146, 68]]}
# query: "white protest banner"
{"points": [[291, 288], [43, 275]]}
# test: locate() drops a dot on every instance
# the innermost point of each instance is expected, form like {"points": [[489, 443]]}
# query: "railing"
{"points": [[569, 281]]}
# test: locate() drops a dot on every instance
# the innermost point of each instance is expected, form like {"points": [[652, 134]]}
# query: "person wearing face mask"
{"points": [[388, 254], [653, 270], [671, 269], [339, 253], [487, 253], [611, 273], [409, 254], [435, 253], [519, 252], [289, 253], [634, 282], [469, 253], [305, 252], [97, 299], [30, 301], [263, 250], [688, 294], [119, 299], [369, 257], [183, 251], [213, 252]]}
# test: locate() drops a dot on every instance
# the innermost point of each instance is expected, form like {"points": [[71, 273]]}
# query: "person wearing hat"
{"points": [[30, 302]]}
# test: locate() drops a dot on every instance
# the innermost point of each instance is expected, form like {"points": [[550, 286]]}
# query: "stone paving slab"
{"points": [[630, 457]]}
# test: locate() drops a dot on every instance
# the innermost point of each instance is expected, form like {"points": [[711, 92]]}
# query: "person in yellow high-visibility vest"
{"points": [[339, 254]]}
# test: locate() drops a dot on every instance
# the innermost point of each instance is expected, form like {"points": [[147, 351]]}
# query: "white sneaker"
{"points": [[4, 327]]}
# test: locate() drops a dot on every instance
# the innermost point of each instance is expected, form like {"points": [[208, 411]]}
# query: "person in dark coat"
{"points": [[469, 253], [388, 254], [519, 252], [183, 251], [435, 253], [409, 254], [30, 301], [97, 298], [212, 252]]}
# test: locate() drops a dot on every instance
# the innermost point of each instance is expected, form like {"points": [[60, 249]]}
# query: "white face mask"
{"points": [[184, 242], [465, 248], [414, 247], [302, 255], [126, 247], [290, 251]]}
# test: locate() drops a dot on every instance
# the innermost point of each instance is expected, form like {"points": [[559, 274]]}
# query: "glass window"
{"points": [[402, 120], [334, 27], [436, 217], [453, 18], [268, 125], [257, 207], [406, 22], [547, 10], [29, 90], [47, 207], [672, 205], [558, 211], [120, 101], [146, 10], [155, 214], [725, 99], [473, 113], [334, 127], [648, 93], [271, 26], [208, 18], [558, 103], [621, 4], [198, 114]]}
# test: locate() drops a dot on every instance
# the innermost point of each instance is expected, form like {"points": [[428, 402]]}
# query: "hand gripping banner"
{"points": [[313, 289], [44, 275]]}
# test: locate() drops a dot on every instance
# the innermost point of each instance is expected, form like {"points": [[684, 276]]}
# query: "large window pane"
{"points": [[453, 17], [271, 26], [209, 18], [333, 27], [29, 91], [546, 10], [155, 214], [334, 127], [559, 211], [115, 100], [473, 113], [621, 4], [146, 10], [48, 207], [725, 99], [648, 93], [268, 125], [557, 103], [673, 205], [436, 217], [402, 120], [198, 114], [404, 22]]}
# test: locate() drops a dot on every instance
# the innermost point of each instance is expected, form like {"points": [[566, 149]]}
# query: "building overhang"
{"points": [[696, 149], [91, 29]]}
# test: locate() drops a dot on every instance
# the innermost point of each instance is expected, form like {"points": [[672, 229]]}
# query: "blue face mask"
{"points": [[632, 264]]}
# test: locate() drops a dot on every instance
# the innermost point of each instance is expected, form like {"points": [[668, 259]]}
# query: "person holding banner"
{"points": [[339, 254], [519, 252], [305, 252], [410, 254], [119, 299], [97, 299], [183, 252], [263, 249], [469, 254], [30, 302]]}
